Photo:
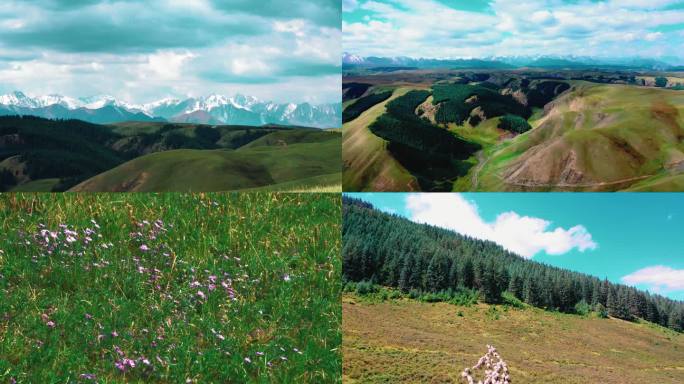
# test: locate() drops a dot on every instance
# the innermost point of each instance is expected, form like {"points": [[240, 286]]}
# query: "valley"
{"points": [[38, 154], [520, 129]]}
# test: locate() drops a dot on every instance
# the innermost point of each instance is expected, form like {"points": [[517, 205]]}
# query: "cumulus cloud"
{"points": [[148, 49], [657, 278], [439, 29], [523, 235]]}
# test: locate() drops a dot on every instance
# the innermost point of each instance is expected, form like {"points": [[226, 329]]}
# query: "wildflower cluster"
{"points": [[496, 370]]}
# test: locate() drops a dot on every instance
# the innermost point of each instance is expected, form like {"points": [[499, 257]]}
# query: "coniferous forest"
{"points": [[392, 251]]}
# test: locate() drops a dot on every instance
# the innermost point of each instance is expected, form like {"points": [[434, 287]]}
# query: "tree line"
{"points": [[393, 251]]}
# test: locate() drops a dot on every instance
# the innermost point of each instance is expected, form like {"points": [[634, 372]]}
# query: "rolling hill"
{"points": [[258, 164], [55, 155], [539, 130], [595, 137]]}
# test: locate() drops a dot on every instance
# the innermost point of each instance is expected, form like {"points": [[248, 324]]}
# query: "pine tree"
{"points": [[468, 274], [515, 286], [405, 275]]}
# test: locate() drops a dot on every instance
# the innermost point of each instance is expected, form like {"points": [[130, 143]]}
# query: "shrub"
{"points": [[601, 311], [661, 82], [465, 297], [510, 299], [514, 123], [582, 308], [365, 288]]}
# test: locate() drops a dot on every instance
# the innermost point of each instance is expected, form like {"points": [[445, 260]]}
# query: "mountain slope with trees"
{"points": [[392, 251]]}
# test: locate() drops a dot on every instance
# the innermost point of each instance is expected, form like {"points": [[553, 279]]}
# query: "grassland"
{"points": [[596, 137], [48, 155], [170, 288], [407, 341], [265, 162], [367, 163]]}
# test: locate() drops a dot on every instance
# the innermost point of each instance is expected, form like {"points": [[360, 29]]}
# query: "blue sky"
{"points": [[484, 28], [634, 239], [143, 50]]}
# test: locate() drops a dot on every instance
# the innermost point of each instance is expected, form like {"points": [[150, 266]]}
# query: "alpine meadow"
{"points": [[427, 293], [170, 288], [170, 96], [504, 95]]}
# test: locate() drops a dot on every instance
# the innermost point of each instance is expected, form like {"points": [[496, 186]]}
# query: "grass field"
{"points": [[367, 163], [407, 341], [260, 164], [170, 288]]}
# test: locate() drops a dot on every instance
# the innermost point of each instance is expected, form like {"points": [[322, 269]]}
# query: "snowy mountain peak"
{"points": [[211, 109]]}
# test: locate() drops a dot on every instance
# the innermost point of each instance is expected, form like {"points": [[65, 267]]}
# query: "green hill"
{"points": [[252, 166], [596, 137], [54, 155]]}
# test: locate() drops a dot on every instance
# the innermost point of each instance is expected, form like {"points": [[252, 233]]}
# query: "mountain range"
{"points": [[350, 61], [213, 109]]}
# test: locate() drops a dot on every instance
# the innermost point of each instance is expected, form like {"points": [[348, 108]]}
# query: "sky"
{"points": [[145, 50], [486, 28], [634, 239]]}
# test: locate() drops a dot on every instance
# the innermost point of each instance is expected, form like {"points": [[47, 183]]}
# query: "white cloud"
{"points": [[349, 5], [431, 28], [523, 235], [658, 278], [167, 64]]}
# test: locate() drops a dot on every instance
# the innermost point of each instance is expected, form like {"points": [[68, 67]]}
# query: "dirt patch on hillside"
{"points": [[427, 110]]}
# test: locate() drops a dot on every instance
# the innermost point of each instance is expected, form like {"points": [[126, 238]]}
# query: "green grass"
{"points": [[87, 306], [257, 165], [607, 137]]}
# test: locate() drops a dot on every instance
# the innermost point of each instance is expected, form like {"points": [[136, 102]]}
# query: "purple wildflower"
{"points": [[201, 294], [144, 248], [50, 324]]}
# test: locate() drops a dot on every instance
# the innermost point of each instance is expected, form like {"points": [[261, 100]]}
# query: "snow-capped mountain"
{"points": [[212, 109], [508, 62]]}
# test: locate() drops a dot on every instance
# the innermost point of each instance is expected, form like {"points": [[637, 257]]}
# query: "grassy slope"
{"points": [[615, 133], [367, 163], [255, 165], [411, 342], [254, 239], [40, 185]]}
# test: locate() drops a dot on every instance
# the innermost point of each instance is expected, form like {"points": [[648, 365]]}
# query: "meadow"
{"points": [[170, 288], [401, 340], [570, 131]]}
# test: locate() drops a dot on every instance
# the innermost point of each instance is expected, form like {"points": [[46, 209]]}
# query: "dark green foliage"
{"points": [[465, 264], [582, 308], [208, 134], [514, 123], [7, 180], [432, 154], [544, 92], [661, 82], [475, 120], [455, 108], [361, 105], [354, 90]]}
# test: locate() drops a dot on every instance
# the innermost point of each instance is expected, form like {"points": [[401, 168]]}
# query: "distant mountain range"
{"points": [[214, 109], [351, 61]]}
